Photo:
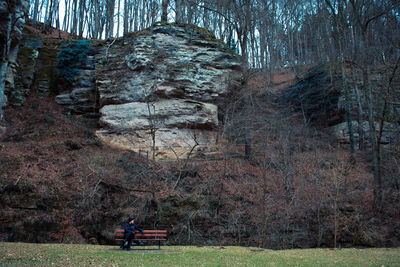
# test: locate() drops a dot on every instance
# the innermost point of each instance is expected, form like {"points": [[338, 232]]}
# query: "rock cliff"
{"points": [[12, 21], [157, 90], [319, 96]]}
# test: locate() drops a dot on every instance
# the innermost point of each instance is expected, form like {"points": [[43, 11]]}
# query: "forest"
{"points": [[268, 34], [291, 184]]}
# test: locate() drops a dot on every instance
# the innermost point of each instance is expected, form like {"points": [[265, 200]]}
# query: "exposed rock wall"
{"points": [[12, 21], [159, 90], [76, 66], [320, 97], [162, 91], [341, 132], [317, 96]]}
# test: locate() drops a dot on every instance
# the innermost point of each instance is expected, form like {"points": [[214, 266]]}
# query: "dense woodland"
{"points": [[268, 33], [296, 181]]}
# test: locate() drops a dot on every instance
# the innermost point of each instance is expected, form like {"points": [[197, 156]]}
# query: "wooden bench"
{"points": [[146, 236]]}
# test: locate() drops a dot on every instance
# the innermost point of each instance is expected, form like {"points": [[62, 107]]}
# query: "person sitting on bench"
{"points": [[129, 233]]}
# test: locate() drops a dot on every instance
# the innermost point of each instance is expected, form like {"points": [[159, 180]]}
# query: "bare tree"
{"points": [[164, 10], [364, 16]]}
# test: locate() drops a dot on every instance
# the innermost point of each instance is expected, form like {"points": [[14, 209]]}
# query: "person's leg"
{"points": [[126, 241], [129, 240]]}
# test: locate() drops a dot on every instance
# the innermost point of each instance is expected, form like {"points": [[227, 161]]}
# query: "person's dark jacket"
{"points": [[129, 229]]}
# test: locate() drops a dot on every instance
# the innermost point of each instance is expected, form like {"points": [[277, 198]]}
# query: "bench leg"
{"points": [[159, 244]]}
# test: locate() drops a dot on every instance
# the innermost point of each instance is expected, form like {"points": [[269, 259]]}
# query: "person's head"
{"points": [[131, 220]]}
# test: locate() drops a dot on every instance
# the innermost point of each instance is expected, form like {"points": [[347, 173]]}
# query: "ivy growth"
{"points": [[71, 58]]}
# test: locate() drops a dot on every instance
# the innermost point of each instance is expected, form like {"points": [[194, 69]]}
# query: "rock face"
{"points": [[12, 21], [320, 97], [170, 113], [341, 132], [37, 68], [317, 96], [76, 68], [158, 90]]}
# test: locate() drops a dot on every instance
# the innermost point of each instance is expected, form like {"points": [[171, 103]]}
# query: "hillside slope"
{"points": [[277, 183]]}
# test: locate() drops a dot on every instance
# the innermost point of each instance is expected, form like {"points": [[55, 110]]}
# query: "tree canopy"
{"points": [[268, 33]]}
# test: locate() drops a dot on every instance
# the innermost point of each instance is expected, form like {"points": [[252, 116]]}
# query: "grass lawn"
{"points": [[20, 254]]}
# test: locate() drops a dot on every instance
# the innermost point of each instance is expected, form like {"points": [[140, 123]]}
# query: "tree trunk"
{"points": [[348, 115], [66, 16], [164, 10], [118, 17], [372, 127], [247, 143], [35, 11], [178, 11], [81, 17], [360, 118], [75, 18], [126, 18], [110, 18], [373, 141]]}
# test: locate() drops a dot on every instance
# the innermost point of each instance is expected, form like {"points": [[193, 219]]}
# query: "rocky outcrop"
{"points": [[317, 96], [158, 89], [12, 21], [25, 76], [36, 67], [83, 97], [168, 113], [320, 97], [76, 69], [341, 132]]}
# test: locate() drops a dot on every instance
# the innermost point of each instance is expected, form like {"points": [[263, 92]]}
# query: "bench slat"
{"points": [[145, 235], [143, 239], [151, 234], [145, 231]]}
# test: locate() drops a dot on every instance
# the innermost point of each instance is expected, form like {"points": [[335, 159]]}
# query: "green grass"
{"points": [[25, 254]]}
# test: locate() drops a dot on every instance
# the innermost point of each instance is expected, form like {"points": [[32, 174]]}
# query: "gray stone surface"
{"points": [[168, 113], [13, 20], [166, 80], [82, 97], [169, 79], [341, 132]]}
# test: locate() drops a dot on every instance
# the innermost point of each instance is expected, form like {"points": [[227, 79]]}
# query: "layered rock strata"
{"points": [[12, 21], [158, 90], [320, 98]]}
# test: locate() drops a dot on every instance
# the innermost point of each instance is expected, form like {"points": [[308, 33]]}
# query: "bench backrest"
{"points": [[147, 234]]}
